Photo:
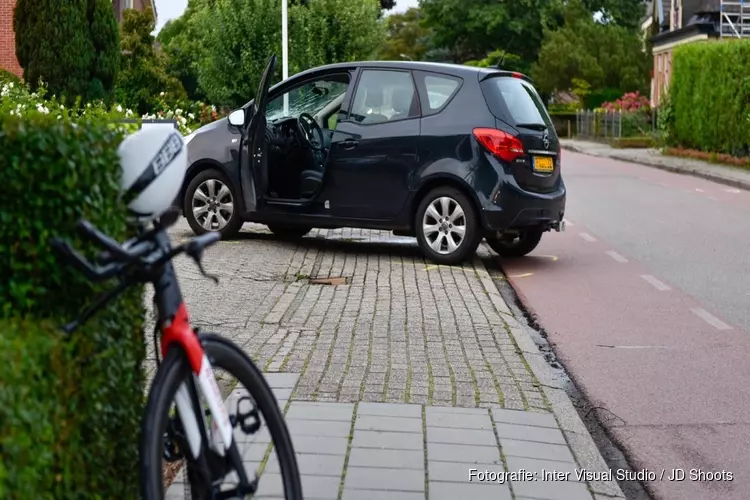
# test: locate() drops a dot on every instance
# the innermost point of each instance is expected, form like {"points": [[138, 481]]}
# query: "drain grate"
{"points": [[340, 280]]}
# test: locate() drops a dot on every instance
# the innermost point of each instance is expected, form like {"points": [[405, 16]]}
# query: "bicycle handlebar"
{"points": [[117, 258]]}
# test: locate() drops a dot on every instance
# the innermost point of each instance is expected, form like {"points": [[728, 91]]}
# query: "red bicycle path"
{"points": [[672, 375]]}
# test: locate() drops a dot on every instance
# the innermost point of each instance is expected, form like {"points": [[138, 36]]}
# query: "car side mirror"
{"points": [[237, 118]]}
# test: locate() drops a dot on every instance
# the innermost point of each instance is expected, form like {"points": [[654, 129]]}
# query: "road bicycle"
{"points": [[202, 436]]}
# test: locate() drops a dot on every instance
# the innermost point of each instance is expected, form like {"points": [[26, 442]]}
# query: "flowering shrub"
{"points": [[632, 101], [17, 99], [189, 115]]}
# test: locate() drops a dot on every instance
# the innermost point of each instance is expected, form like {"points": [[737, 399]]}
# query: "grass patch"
{"points": [[633, 142]]}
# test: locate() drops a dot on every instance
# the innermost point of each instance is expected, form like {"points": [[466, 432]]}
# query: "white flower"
{"points": [[18, 106], [12, 112], [178, 111], [62, 107], [129, 112], [59, 117], [119, 108], [10, 84], [88, 104], [191, 116], [162, 94]]}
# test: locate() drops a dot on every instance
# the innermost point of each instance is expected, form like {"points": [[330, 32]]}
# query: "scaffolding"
{"points": [[734, 21]]}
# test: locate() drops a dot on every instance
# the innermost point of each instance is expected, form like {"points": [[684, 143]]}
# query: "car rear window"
{"points": [[515, 100]]}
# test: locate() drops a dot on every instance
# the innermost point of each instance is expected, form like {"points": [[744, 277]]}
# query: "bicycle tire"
{"points": [[224, 354]]}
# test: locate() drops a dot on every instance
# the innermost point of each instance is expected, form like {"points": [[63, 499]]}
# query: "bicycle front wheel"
{"points": [[161, 477]]}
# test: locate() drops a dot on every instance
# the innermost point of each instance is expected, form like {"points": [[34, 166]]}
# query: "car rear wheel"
{"points": [[447, 226], [518, 245], [210, 205], [286, 232]]}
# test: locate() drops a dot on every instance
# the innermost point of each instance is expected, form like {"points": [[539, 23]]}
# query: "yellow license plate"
{"points": [[543, 164]]}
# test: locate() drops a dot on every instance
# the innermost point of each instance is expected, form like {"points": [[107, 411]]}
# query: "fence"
{"points": [[614, 124]]}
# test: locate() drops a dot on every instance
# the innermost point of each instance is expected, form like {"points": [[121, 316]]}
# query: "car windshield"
{"points": [[309, 98], [523, 104]]}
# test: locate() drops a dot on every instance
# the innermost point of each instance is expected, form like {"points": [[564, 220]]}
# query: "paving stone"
{"points": [[391, 410], [462, 453], [314, 487], [394, 424], [526, 433], [351, 494], [384, 479], [461, 436], [313, 465], [402, 459], [537, 465], [319, 428], [458, 421], [551, 490], [524, 418], [304, 410], [457, 472], [320, 445], [282, 380], [468, 491], [530, 449], [388, 440]]}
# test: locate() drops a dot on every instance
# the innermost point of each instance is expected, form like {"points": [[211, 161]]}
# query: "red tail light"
{"points": [[505, 146]]}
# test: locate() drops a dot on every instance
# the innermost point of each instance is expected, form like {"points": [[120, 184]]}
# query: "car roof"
{"points": [[459, 70]]}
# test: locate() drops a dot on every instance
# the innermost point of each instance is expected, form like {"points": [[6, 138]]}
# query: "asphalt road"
{"points": [[646, 300]]}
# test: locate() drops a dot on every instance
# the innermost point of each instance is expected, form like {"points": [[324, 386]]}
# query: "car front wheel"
{"points": [[447, 226], [210, 205], [515, 245]]}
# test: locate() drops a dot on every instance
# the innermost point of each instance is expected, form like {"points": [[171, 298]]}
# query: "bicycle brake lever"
{"points": [[198, 261]]}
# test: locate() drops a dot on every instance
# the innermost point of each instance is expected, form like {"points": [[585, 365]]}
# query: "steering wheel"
{"points": [[310, 131]]}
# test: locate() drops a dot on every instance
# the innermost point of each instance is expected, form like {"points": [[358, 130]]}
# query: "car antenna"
{"points": [[502, 56]]}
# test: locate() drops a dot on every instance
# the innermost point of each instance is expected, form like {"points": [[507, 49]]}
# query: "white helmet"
{"points": [[153, 162]]}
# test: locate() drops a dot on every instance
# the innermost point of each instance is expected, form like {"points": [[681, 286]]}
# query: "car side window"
{"points": [[439, 89], [384, 96]]}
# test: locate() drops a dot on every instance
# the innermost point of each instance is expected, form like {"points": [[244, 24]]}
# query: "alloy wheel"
{"points": [[444, 225], [212, 205]]}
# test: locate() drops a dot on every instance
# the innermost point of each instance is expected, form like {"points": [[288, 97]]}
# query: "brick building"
{"points": [[8, 59]]}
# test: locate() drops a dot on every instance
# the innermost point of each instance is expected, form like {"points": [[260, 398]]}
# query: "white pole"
{"points": [[285, 50]]}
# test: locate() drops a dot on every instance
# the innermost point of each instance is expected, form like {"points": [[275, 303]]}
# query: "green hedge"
{"points": [[710, 94], [69, 407]]}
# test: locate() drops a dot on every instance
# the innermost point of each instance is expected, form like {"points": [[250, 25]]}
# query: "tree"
{"points": [[320, 32], [602, 55], [181, 47], [405, 36], [625, 13], [473, 28], [79, 57], [143, 75], [328, 31]]}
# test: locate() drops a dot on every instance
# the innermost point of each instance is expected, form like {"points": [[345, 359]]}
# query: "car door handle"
{"points": [[349, 144]]}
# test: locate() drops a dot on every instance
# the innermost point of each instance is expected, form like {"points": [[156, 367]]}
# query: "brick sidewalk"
{"points": [[398, 382]]}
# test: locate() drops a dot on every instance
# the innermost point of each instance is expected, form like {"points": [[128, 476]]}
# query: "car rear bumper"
{"points": [[515, 208]]}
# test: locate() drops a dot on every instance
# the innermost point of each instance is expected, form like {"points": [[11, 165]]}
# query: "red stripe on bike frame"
{"points": [[181, 332]]}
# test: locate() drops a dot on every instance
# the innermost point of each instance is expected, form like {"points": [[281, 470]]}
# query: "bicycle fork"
{"points": [[194, 424]]}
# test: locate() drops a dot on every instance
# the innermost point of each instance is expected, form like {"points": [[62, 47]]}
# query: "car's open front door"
{"points": [[253, 155]]}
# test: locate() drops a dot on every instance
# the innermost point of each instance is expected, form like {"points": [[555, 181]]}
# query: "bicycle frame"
{"points": [[176, 329]]}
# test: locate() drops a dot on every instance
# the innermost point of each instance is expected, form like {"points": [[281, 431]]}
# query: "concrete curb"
{"points": [[711, 176], [578, 437]]}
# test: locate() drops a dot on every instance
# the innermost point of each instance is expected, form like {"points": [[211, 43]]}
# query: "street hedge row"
{"points": [[710, 97], [69, 406]]}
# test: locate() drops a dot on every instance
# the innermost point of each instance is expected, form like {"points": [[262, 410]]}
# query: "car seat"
{"points": [[373, 100], [404, 103]]}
